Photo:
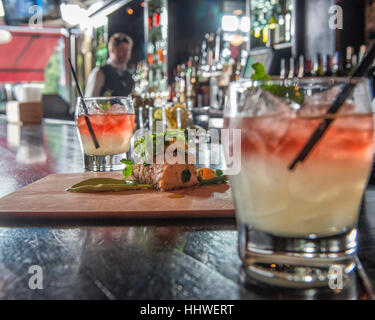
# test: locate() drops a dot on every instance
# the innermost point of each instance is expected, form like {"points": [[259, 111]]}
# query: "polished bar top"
{"points": [[181, 259]]}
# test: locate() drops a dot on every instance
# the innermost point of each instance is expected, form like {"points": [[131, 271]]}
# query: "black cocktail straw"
{"points": [[359, 71], [92, 133]]}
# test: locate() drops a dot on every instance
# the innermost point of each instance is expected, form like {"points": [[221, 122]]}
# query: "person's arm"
{"points": [[95, 83]]}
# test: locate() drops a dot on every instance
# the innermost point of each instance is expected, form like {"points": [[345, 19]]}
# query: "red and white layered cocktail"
{"points": [[112, 123], [294, 224]]}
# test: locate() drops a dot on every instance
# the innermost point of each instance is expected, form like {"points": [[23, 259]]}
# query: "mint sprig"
{"points": [[286, 92], [219, 172], [260, 73], [128, 170]]}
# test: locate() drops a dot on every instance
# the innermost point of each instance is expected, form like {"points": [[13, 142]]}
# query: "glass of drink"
{"points": [[112, 122], [297, 227]]}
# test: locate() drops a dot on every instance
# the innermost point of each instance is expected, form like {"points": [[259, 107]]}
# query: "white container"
{"points": [[28, 92]]}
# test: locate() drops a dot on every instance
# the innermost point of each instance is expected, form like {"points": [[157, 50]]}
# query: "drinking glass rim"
{"points": [[105, 98], [306, 83], [127, 105], [295, 81]]}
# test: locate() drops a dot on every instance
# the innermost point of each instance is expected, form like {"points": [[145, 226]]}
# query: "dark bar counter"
{"points": [[178, 259]]}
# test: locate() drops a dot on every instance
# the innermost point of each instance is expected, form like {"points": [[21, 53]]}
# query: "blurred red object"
{"points": [[25, 57]]}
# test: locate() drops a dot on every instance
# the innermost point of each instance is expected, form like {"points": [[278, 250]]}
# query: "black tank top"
{"points": [[114, 83]]}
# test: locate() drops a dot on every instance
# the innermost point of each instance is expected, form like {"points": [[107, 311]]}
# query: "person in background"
{"points": [[113, 79]]}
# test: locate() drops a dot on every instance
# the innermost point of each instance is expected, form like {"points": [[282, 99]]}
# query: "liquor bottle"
{"points": [[282, 69], [182, 83], [203, 57], [354, 61], [210, 38], [177, 82], [189, 83], [324, 65], [349, 60], [156, 19], [281, 28], [193, 84], [288, 27], [291, 68], [315, 68], [263, 29], [149, 23], [301, 66], [308, 68], [337, 65], [362, 52], [233, 72], [171, 91], [328, 70], [318, 66], [217, 48], [371, 75], [272, 30], [238, 69]]}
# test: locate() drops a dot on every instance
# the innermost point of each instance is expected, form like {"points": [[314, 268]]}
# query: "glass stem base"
{"points": [[103, 163], [296, 262]]}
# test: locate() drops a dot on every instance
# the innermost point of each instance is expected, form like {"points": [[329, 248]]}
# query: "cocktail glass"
{"points": [[112, 121], [298, 228]]}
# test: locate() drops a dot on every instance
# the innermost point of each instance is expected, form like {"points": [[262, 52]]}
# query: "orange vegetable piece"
{"points": [[206, 173]]}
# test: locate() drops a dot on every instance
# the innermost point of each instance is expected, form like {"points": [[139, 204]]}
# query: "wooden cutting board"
{"points": [[47, 198]]}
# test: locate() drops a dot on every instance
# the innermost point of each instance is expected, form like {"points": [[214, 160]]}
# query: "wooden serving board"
{"points": [[47, 198]]}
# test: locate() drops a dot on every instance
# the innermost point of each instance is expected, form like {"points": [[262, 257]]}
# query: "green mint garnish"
{"points": [[292, 93], [260, 73], [216, 180], [105, 106], [128, 170], [185, 175], [286, 92], [219, 173]]}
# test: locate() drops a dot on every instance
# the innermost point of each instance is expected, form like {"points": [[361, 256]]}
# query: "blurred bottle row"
{"points": [[271, 22], [322, 65]]}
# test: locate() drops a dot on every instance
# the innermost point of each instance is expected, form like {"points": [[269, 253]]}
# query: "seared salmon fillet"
{"points": [[166, 176]]}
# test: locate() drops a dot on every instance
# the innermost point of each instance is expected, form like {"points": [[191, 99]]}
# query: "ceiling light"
{"points": [[229, 23]]}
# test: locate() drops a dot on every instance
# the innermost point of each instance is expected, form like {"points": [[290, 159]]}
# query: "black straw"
{"points": [[92, 133], [359, 71]]}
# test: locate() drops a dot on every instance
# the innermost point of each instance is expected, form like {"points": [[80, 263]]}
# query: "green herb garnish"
{"points": [[185, 175], [128, 170], [106, 185], [216, 180], [105, 106], [291, 93], [219, 172], [145, 147], [260, 73], [287, 92]]}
